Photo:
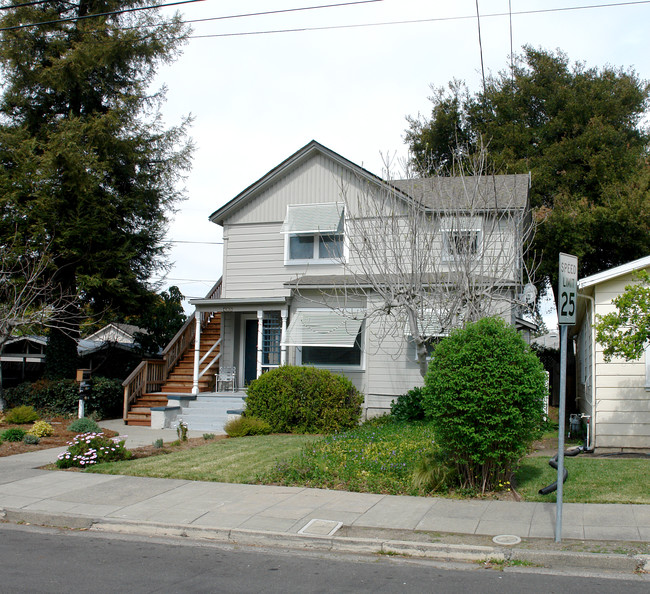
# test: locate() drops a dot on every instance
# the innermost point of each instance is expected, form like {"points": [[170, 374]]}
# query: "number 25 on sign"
{"points": [[567, 289]]}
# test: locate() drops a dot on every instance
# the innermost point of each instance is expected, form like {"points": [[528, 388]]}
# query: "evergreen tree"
{"points": [[578, 130], [160, 320], [87, 162]]}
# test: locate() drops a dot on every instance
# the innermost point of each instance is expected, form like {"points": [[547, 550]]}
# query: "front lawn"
{"points": [[237, 460], [376, 457], [591, 480]]}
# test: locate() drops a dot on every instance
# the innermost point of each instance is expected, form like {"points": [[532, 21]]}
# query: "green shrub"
{"points": [[484, 394], [21, 415], [13, 434], [84, 425], [246, 426], [92, 448], [41, 429], [304, 400], [61, 397], [408, 407], [31, 439], [208, 436], [158, 443], [106, 398]]}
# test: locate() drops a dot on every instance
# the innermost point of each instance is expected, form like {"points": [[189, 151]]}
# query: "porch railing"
{"points": [[185, 336], [151, 374], [148, 376]]}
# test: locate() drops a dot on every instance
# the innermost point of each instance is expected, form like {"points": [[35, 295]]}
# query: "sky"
{"points": [[261, 87]]}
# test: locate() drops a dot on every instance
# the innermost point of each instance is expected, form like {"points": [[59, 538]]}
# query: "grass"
{"points": [[591, 480], [229, 461], [377, 457]]}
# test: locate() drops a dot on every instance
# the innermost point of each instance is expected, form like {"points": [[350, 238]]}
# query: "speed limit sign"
{"points": [[567, 289]]}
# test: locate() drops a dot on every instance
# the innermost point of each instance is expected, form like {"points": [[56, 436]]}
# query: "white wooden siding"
{"points": [[623, 403]]}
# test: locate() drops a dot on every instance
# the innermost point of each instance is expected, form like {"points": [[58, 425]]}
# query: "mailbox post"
{"points": [[84, 380]]}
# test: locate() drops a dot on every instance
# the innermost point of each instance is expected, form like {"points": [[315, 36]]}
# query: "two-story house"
{"points": [[320, 256]]}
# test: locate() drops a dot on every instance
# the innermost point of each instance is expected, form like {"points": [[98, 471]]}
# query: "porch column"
{"points": [[283, 347], [260, 338], [197, 353]]}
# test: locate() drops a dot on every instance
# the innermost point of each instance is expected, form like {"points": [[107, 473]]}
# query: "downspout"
{"points": [[592, 306]]}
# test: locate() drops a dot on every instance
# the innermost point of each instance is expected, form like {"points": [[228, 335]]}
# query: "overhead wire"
{"points": [[168, 4], [333, 27]]}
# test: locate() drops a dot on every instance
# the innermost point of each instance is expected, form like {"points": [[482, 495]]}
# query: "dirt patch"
{"points": [[59, 438]]}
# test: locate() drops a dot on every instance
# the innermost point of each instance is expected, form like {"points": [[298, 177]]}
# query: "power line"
{"points": [[98, 14], [151, 7], [198, 242], [24, 4], [416, 21]]}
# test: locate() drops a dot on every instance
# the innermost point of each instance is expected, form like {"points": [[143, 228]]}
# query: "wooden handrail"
{"points": [[148, 376]]}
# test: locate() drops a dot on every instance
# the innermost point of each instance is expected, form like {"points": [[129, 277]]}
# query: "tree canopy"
{"points": [[578, 130], [160, 320], [87, 164], [626, 332]]}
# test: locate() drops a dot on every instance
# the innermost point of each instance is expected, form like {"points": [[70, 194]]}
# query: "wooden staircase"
{"points": [[151, 382], [179, 380], [140, 412]]}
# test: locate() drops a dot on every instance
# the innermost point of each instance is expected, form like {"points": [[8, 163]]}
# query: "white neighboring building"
{"points": [[616, 394]]}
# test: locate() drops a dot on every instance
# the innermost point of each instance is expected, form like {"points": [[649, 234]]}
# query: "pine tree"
{"points": [[89, 166]]}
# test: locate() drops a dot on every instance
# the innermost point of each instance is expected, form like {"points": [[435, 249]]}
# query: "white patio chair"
{"points": [[227, 375]]}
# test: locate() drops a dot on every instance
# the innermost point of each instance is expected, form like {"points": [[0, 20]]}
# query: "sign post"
{"points": [[566, 316]]}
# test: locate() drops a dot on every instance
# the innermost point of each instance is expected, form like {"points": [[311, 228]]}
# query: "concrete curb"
{"points": [[343, 544]]}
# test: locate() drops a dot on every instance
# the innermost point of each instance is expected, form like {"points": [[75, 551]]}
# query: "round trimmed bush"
{"points": [[304, 400], [41, 429], [13, 434], [408, 407], [21, 415], [31, 439], [246, 426], [484, 394], [84, 425]]}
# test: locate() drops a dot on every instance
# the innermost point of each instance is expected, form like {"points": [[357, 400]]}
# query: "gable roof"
{"points": [[437, 193], [621, 270], [306, 152]]}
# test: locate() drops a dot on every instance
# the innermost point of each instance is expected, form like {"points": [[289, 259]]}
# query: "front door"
{"points": [[250, 350]]}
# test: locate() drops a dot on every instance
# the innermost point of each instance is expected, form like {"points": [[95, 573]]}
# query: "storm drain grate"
{"points": [[317, 527]]}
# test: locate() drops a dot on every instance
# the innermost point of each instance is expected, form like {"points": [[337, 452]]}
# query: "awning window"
{"points": [[322, 328], [435, 323], [314, 218]]}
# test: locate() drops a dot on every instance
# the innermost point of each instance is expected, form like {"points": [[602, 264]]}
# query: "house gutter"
{"points": [[592, 307]]}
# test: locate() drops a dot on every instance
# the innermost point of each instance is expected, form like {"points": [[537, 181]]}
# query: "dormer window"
{"points": [[314, 233]]}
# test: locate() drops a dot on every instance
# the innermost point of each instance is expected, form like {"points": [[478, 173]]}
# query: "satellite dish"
{"points": [[530, 294]]}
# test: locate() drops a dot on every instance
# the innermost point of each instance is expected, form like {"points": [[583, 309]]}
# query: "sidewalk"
{"points": [[301, 517]]}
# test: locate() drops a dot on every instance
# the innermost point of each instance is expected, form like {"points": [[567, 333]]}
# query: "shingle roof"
{"points": [[474, 193]]}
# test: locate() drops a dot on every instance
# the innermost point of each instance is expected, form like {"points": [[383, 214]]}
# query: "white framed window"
{"points": [[462, 237], [326, 338], [314, 234]]}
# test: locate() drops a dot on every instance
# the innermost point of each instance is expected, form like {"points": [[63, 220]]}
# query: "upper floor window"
{"points": [[314, 233], [461, 238]]}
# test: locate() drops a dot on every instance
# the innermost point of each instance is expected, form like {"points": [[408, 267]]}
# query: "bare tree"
{"points": [[430, 254], [28, 297]]}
